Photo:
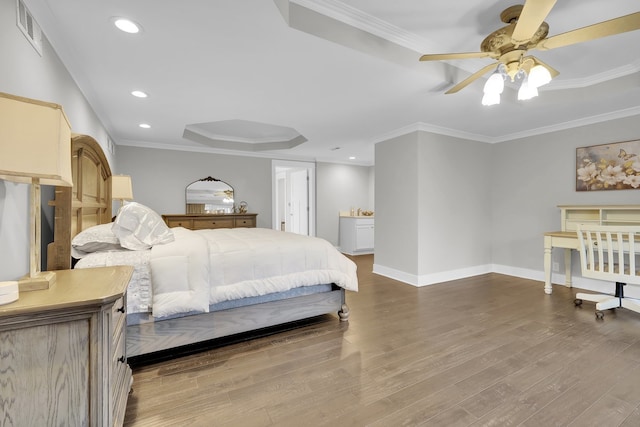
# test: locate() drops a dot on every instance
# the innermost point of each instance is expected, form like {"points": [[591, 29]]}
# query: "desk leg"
{"points": [[547, 265], [567, 267]]}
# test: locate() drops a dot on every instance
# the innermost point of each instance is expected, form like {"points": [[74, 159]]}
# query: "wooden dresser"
{"points": [[203, 221], [62, 351]]}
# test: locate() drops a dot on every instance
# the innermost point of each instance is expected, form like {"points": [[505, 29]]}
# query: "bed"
{"points": [[192, 298]]}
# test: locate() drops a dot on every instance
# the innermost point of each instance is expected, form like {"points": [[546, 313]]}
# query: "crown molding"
{"points": [[426, 127], [209, 150]]}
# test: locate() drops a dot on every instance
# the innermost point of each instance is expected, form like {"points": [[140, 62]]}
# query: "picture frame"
{"points": [[605, 167]]}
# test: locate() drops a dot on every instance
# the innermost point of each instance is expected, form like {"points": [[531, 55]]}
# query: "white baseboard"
{"points": [[538, 275], [431, 279]]}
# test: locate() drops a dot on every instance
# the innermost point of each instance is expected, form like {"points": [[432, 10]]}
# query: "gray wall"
{"points": [[396, 180], [531, 177], [338, 188], [24, 72], [437, 227], [454, 205], [159, 178]]}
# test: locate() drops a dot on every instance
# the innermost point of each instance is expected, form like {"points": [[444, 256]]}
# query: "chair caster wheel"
{"points": [[599, 315], [577, 302]]}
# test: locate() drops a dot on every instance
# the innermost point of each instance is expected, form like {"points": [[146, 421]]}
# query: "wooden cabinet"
{"points": [[63, 354], [356, 234], [203, 221]]}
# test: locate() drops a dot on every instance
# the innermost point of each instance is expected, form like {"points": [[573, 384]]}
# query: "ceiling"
{"points": [[334, 76]]}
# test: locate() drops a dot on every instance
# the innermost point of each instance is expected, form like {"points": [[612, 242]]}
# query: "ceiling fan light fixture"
{"points": [[539, 76], [494, 84], [527, 91], [491, 99]]}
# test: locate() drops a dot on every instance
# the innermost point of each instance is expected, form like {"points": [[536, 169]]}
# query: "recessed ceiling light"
{"points": [[139, 94], [144, 125], [352, 158], [126, 25]]}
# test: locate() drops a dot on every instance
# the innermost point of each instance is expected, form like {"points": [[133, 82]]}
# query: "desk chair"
{"points": [[608, 252]]}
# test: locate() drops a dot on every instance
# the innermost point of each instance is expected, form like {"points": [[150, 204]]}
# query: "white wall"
{"points": [[24, 72]]}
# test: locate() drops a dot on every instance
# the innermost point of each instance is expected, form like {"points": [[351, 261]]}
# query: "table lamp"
{"points": [[121, 188], [35, 148]]}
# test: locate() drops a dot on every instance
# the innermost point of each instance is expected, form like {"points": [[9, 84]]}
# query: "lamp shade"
{"points": [[121, 188], [35, 141]]}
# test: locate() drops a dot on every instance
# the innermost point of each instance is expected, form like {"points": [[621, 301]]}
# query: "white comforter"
{"points": [[209, 266]]}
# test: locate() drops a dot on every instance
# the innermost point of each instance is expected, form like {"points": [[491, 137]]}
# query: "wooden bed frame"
{"points": [[88, 203]]}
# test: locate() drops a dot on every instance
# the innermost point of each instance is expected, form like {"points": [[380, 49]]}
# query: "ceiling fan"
{"points": [[525, 31]]}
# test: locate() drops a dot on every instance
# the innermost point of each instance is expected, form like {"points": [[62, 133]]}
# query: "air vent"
{"points": [[29, 26]]}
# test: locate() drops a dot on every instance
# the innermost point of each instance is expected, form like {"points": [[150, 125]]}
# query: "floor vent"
{"points": [[29, 26]]}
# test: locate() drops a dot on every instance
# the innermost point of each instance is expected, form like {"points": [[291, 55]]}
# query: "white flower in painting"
{"points": [[636, 165], [612, 175], [588, 172], [632, 180]]}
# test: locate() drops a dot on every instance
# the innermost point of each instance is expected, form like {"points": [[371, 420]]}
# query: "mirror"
{"points": [[209, 195]]}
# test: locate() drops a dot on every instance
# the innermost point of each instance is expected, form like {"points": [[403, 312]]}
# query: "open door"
{"points": [[294, 197]]}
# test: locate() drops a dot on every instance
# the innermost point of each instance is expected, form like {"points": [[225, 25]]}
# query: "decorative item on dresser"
{"points": [[63, 354], [35, 141], [204, 221], [121, 188]]}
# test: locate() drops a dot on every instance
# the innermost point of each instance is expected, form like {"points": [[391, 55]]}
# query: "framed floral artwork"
{"points": [[608, 166]]}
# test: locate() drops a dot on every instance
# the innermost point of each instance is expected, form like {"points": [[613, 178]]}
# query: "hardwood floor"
{"points": [[492, 350]]}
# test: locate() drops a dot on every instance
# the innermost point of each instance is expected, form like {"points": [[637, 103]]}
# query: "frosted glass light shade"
{"points": [[539, 76], [527, 91], [121, 188], [491, 99], [35, 141], [494, 84]]}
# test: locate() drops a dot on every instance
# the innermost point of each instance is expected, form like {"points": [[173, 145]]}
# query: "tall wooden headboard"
{"points": [[88, 203]]}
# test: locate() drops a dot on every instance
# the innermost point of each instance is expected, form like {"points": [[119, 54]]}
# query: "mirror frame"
{"points": [[194, 208]]}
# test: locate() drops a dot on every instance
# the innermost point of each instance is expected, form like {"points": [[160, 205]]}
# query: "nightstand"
{"points": [[63, 353]]}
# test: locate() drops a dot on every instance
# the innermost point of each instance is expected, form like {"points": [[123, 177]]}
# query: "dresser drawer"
{"points": [[205, 223], [245, 222], [183, 222], [118, 362], [118, 316]]}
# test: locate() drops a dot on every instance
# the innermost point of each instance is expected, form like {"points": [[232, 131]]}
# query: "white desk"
{"points": [[567, 240]]}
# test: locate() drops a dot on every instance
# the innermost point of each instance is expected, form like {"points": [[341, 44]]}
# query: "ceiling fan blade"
{"points": [[471, 78], [532, 16], [464, 55], [614, 26]]}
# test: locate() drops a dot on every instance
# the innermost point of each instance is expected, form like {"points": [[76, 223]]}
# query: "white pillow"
{"points": [[94, 239], [139, 227]]}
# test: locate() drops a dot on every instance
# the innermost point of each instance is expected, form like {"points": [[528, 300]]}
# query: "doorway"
{"points": [[293, 189]]}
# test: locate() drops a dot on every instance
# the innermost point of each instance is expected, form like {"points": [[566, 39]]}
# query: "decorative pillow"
{"points": [[139, 227], [94, 239]]}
